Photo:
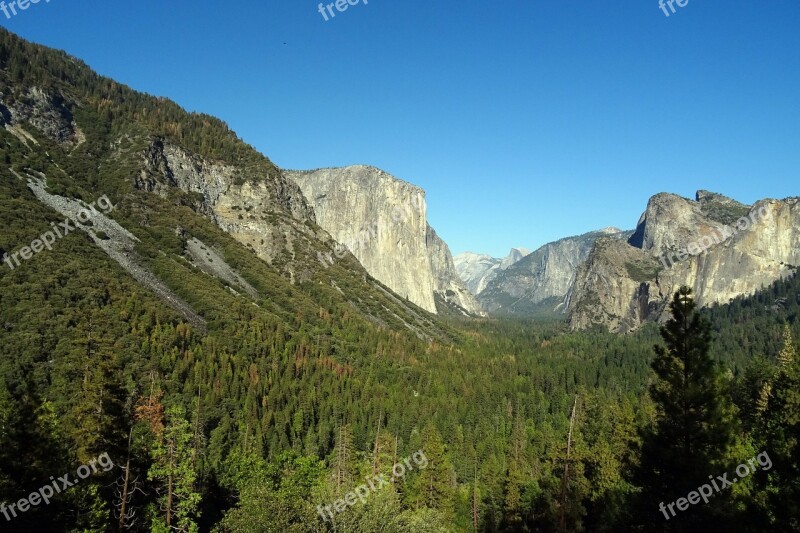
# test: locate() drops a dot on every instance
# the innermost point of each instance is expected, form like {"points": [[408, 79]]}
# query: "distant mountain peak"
{"points": [[610, 230]]}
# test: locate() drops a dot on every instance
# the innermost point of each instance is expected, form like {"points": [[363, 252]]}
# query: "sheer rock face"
{"points": [[545, 275], [717, 246], [383, 222]]}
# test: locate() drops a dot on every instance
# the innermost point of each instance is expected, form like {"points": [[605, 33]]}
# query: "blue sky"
{"points": [[525, 121]]}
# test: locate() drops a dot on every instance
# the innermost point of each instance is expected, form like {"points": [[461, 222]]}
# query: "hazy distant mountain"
{"points": [[541, 280], [477, 270]]}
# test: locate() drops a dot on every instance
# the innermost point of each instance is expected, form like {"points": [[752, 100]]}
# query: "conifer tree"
{"points": [[693, 430], [782, 440], [788, 355], [172, 468], [344, 459], [432, 486], [515, 477]]}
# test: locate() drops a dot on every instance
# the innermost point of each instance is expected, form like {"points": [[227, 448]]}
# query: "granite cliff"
{"points": [[383, 221]]}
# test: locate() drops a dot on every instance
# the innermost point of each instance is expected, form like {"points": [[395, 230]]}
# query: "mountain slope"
{"points": [[72, 134]]}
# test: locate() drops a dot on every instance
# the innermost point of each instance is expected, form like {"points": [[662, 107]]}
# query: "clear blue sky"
{"points": [[525, 120]]}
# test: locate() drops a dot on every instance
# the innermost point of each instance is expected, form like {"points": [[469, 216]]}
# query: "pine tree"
{"points": [[172, 468], [762, 402], [565, 480], [474, 499], [432, 486], [693, 430], [99, 402], [787, 356], [782, 441], [515, 476]]}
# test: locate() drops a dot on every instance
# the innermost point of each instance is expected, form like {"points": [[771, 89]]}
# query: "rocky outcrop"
{"points": [[671, 222], [717, 246], [541, 280], [46, 111], [383, 222], [265, 212]]}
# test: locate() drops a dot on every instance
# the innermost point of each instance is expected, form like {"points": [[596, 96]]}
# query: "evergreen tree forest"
{"points": [[267, 410]]}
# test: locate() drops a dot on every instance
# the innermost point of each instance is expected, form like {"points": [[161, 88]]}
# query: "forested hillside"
{"points": [[276, 402]]}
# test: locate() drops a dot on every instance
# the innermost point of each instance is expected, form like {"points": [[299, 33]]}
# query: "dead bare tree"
{"points": [[565, 479], [125, 489]]}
